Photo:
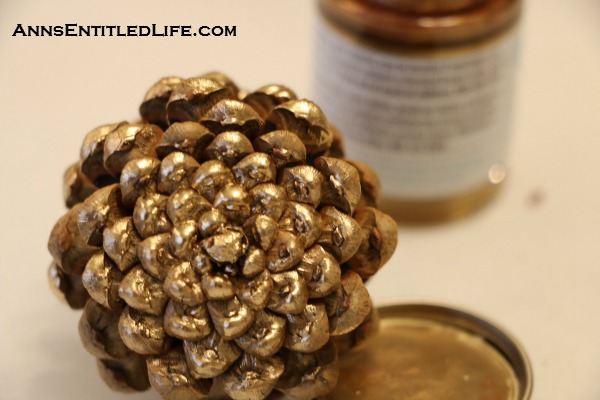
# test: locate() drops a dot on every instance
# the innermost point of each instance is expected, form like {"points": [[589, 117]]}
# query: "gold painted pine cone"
{"points": [[221, 242]]}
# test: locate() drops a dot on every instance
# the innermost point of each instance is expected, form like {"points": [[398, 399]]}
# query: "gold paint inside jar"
{"points": [[430, 211]]}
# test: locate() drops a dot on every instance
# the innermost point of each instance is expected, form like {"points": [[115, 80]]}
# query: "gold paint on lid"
{"points": [[389, 21], [430, 352], [427, 6]]}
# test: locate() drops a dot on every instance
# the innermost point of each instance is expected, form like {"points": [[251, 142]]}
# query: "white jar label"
{"points": [[432, 126]]}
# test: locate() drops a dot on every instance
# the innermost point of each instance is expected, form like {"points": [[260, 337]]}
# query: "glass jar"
{"points": [[423, 91]]}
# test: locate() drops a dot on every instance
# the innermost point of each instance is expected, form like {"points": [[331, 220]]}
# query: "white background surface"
{"points": [[530, 261]]}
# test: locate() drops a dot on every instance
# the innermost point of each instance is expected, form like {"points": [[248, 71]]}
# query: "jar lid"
{"points": [[432, 352], [427, 6], [391, 21]]}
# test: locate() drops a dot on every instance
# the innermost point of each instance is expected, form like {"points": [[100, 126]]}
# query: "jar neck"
{"points": [[426, 7]]}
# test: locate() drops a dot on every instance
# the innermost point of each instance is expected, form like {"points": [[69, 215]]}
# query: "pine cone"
{"points": [[220, 242]]}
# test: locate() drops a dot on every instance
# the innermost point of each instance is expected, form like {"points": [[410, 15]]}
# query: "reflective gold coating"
{"points": [[66, 246], [211, 356], [155, 255], [255, 292], [309, 331], [285, 148], [341, 233], [184, 240], [201, 263], [76, 185], [128, 142], [233, 115], [99, 211], [217, 286], [254, 262], [223, 80], [120, 242], [138, 178], [348, 306], [303, 184], [267, 97], [265, 337], [290, 294], [254, 169], [369, 184], [183, 284], [192, 98], [267, 199], [143, 333], [261, 229], [211, 222], [143, 292], [154, 107], [150, 215], [187, 322], [430, 352], [379, 238], [229, 147], [92, 152], [321, 272], [231, 318], [285, 252], [176, 171], [306, 119], [101, 278], [162, 88], [360, 337], [170, 376], [225, 247], [232, 202], [211, 177], [251, 377], [342, 183], [186, 205], [187, 137], [303, 221], [440, 210], [207, 242]]}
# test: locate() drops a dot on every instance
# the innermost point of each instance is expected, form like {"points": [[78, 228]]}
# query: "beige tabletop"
{"points": [[530, 261]]}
